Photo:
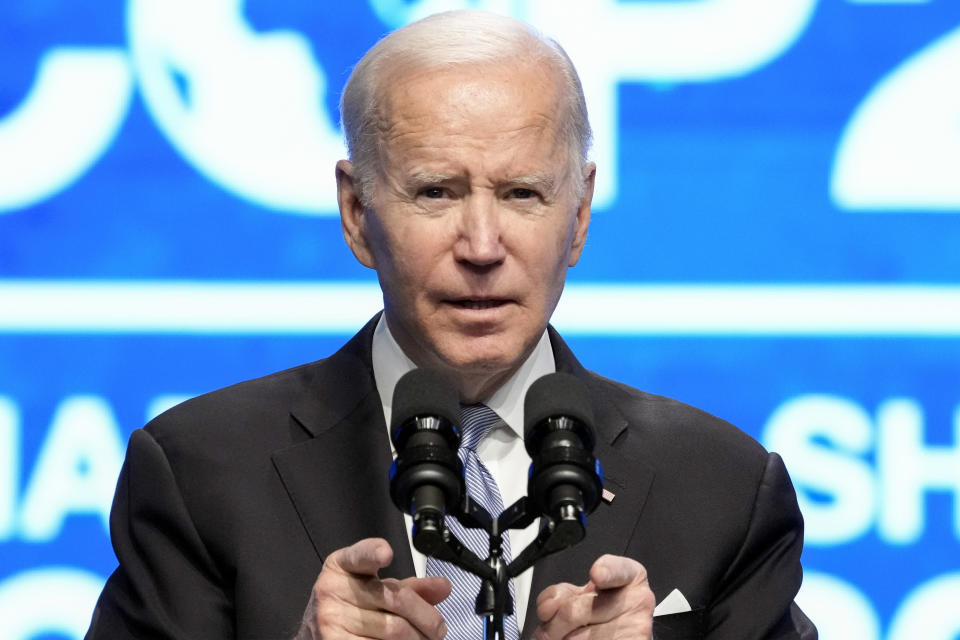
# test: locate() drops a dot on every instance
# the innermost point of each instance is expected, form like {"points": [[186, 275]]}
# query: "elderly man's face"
{"points": [[474, 219]]}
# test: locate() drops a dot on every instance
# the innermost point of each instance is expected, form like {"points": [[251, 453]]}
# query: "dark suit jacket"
{"points": [[228, 503]]}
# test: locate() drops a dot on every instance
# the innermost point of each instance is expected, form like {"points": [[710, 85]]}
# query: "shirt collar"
{"points": [[390, 363]]}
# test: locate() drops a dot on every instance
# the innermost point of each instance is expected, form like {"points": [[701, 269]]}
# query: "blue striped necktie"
{"points": [[476, 421]]}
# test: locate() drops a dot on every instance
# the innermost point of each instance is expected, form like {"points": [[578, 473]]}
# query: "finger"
{"points": [[405, 601], [551, 598], [573, 610], [365, 605], [433, 589], [623, 628], [381, 624], [364, 558], [365, 623], [635, 599], [370, 599], [610, 572]]}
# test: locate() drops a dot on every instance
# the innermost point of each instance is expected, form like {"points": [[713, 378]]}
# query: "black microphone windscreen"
{"points": [[423, 392], [556, 394]]}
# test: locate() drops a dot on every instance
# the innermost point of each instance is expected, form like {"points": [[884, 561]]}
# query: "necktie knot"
{"points": [[476, 421]]}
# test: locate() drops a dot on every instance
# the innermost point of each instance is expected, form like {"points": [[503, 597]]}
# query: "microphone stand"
{"points": [[557, 531]]}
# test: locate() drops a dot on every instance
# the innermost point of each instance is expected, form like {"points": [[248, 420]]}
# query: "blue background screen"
{"points": [[774, 239]]}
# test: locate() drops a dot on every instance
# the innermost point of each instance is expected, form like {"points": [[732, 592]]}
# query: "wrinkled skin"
{"points": [[474, 219], [348, 600], [475, 216], [615, 604]]}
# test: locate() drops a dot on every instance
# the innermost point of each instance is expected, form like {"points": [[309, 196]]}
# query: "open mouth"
{"points": [[479, 305]]}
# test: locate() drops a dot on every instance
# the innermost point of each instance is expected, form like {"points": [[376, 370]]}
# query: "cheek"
{"points": [[553, 252], [408, 271], [409, 261], [552, 262], [423, 249], [388, 243]]}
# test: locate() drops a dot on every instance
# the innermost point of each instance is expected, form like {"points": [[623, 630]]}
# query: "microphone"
{"points": [[426, 478], [565, 479]]}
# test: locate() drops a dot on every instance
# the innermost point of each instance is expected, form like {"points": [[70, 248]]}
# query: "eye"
{"points": [[522, 193], [432, 192]]}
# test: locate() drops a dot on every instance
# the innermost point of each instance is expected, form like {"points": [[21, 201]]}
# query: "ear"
{"points": [[353, 219], [582, 221]]}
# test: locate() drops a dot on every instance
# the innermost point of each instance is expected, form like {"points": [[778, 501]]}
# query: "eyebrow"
{"points": [[429, 177], [542, 181]]}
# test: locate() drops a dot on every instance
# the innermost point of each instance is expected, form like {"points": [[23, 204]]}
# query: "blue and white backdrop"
{"points": [[776, 240]]}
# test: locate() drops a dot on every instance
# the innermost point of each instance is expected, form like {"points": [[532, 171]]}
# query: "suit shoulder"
{"points": [[327, 386], [234, 402], [674, 427]]}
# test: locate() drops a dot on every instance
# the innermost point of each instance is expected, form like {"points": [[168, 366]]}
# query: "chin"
{"points": [[476, 362], [484, 356]]}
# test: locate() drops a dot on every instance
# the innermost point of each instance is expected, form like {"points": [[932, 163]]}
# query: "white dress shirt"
{"points": [[501, 451]]}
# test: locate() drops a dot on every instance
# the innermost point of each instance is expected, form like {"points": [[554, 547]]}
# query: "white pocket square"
{"points": [[673, 603]]}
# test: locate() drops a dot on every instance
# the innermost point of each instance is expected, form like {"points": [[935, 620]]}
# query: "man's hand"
{"points": [[616, 603], [349, 600]]}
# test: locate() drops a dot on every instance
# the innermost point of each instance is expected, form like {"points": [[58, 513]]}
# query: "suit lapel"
{"points": [[611, 526], [346, 438], [342, 412]]}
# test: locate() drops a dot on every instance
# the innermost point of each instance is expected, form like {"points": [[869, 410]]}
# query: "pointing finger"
{"points": [[551, 598], [433, 589], [611, 572], [364, 558]]}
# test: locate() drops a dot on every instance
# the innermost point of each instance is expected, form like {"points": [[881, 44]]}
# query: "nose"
{"points": [[480, 234]]}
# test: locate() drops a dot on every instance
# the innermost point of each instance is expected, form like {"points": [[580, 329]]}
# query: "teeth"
{"points": [[479, 304]]}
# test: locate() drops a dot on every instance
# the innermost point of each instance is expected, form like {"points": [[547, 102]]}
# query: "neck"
{"points": [[475, 382], [479, 388]]}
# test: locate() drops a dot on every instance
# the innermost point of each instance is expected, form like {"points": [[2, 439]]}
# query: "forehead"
{"points": [[475, 112]]}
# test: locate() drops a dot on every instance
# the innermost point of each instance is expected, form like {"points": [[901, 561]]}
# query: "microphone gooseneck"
{"points": [[565, 479], [426, 479]]}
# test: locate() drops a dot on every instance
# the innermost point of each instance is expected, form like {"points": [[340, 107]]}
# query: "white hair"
{"points": [[445, 40]]}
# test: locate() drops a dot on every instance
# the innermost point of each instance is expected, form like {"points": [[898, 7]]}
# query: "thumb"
{"points": [[611, 572], [433, 589], [364, 558]]}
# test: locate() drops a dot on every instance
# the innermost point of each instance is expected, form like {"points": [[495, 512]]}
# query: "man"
{"points": [[261, 510]]}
